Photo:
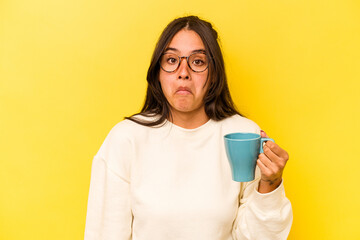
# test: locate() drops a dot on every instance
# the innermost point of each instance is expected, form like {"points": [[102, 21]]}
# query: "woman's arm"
{"points": [[263, 216], [265, 212], [109, 214]]}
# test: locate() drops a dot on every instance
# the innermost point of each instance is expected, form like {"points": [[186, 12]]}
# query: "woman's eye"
{"points": [[171, 60], [198, 62]]}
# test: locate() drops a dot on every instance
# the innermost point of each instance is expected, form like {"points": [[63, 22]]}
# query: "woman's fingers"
{"points": [[264, 170], [276, 149], [263, 134], [265, 160], [270, 154], [272, 161]]}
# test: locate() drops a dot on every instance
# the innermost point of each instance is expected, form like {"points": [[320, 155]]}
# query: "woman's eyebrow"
{"points": [[171, 49], [177, 50], [199, 50]]}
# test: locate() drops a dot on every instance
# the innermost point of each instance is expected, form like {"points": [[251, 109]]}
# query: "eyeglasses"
{"points": [[197, 62]]}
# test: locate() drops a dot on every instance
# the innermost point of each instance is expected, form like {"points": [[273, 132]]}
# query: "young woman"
{"points": [[163, 173]]}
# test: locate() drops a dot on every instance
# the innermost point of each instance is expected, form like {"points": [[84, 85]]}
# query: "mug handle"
{"points": [[262, 140]]}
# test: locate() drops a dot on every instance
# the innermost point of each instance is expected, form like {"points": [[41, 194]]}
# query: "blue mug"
{"points": [[242, 150]]}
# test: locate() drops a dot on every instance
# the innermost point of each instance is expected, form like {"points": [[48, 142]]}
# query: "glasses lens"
{"points": [[198, 62], [169, 62]]}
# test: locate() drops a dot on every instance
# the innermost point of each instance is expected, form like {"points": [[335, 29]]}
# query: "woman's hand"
{"points": [[271, 164]]}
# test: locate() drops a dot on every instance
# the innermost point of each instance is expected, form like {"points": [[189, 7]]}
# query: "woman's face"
{"points": [[183, 88]]}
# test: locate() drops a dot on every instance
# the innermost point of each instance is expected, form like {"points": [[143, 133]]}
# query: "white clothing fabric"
{"points": [[171, 183]]}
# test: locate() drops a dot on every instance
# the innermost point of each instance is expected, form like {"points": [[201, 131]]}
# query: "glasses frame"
{"points": [[187, 60]]}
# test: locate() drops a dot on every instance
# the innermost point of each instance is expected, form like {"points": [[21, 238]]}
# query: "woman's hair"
{"points": [[217, 99]]}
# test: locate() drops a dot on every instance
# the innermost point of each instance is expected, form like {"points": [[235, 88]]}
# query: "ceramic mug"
{"points": [[242, 150]]}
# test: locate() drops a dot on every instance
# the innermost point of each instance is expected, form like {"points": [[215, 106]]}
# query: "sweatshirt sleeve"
{"points": [[263, 216], [109, 214]]}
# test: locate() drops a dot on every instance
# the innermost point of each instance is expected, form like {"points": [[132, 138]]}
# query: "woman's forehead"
{"points": [[186, 42]]}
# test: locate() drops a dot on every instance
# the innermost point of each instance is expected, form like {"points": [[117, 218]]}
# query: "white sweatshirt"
{"points": [[171, 183]]}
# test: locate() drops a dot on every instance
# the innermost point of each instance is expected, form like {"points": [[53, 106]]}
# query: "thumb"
{"points": [[263, 134]]}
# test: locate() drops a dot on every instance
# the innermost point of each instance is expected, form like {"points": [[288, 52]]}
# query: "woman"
{"points": [[163, 173]]}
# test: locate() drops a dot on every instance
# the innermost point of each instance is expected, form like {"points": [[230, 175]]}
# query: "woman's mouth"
{"points": [[183, 91]]}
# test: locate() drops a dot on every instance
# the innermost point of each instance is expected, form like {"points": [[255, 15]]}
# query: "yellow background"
{"points": [[71, 69]]}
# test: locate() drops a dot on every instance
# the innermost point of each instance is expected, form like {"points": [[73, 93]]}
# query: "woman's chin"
{"points": [[186, 108]]}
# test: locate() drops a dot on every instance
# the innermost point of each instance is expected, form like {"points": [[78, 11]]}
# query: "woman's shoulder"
{"points": [[240, 124], [122, 137], [127, 128]]}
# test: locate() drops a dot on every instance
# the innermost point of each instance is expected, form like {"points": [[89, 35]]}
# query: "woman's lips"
{"points": [[183, 91]]}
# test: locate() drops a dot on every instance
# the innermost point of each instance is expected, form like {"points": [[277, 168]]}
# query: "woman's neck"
{"points": [[189, 120]]}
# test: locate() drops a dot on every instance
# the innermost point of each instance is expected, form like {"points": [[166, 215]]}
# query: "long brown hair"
{"points": [[217, 100]]}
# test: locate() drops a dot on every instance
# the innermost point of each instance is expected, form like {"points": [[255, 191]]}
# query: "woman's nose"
{"points": [[184, 70]]}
